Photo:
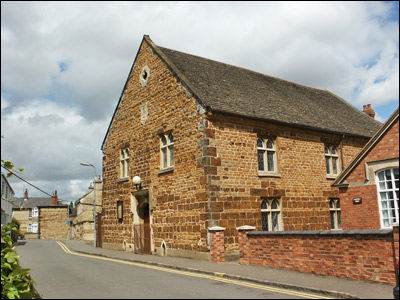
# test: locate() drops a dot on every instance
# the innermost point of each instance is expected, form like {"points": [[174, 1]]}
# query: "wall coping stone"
{"points": [[216, 228], [324, 232], [247, 227]]}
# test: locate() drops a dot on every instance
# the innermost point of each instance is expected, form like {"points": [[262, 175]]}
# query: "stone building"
{"points": [[210, 144], [54, 217], [83, 224], [369, 186], [7, 195]]}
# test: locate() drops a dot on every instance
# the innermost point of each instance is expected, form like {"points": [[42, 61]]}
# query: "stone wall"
{"points": [[177, 202], [53, 223], [300, 183]]}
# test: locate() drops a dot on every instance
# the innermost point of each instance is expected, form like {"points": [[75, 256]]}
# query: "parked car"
{"points": [[396, 288]]}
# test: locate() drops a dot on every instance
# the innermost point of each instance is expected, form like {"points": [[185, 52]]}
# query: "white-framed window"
{"points": [[388, 195], [124, 163], [30, 213], [266, 153], [331, 160], [34, 227], [336, 214], [271, 217], [35, 212], [167, 150]]}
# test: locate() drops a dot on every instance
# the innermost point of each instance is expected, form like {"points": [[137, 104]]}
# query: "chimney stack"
{"points": [[26, 195], [54, 199], [369, 111]]}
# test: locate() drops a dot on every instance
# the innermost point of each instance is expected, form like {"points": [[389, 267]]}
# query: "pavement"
{"points": [[326, 285]]}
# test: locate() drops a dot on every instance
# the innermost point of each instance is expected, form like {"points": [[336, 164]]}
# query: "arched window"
{"points": [[124, 163], [167, 150], [388, 195], [270, 215], [266, 154], [336, 217]]}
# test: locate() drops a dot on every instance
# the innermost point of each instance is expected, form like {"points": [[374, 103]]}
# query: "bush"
{"points": [[15, 281]]}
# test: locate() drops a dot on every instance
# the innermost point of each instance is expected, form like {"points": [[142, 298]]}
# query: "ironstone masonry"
{"points": [[216, 113]]}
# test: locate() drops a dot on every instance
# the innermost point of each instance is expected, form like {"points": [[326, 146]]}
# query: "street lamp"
{"points": [[94, 199]]}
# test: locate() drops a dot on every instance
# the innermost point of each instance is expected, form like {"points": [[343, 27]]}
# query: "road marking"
{"points": [[220, 278]]}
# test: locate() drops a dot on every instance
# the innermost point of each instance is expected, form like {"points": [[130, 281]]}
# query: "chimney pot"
{"points": [[369, 111]]}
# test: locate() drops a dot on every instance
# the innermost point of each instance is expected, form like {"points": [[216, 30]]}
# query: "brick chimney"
{"points": [[369, 111], [26, 195], [54, 199]]}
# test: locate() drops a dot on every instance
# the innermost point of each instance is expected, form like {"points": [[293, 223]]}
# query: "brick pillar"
{"points": [[243, 247], [217, 244], [396, 242]]}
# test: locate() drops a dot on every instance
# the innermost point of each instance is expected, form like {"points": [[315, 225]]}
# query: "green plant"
{"points": [[15, 281]]}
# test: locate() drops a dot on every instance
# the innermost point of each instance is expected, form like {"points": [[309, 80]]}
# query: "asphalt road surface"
{"points": [[62, 274]]}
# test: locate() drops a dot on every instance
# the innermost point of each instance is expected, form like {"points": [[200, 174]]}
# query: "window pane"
{"points": [[270, 157], [388, 174], [163, 140], [328, 169], [381, 176], [260, 143], [264, 204], [171, 153], [127, 168], [334, 150], [382, 186], [264, 221], [327, 150], [275, 205], [396, 173], [261, 160], [334, 165], [275, 221], [338, 203], [332, 203], [270, 144], [339, 220], [164, 157], [333, 220], [170, 138], [122, 154]]}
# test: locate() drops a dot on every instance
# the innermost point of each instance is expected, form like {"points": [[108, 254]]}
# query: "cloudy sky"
{"points": [[64, 64]]}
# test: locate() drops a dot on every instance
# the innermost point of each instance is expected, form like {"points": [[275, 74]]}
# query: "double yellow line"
{"points": [[217, 276]]}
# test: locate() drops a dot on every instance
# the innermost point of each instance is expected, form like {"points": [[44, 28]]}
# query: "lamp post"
{"points": [[94, 200]]}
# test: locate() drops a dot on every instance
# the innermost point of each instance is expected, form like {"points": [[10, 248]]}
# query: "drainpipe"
{"points": [[341, 152]]}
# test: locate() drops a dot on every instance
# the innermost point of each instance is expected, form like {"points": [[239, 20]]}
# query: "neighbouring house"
{"points": [[83, 224], [369, 186], [54, 219], [195, 143], [26, 211], [7, 195]]}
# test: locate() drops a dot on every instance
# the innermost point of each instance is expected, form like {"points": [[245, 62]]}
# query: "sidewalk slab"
{"points": [[331, 286]]}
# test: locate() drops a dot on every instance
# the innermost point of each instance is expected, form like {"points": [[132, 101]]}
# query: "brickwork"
{"points": [[53, 223], [362, 256], [366, 215], [217, 244], [215, 180]]}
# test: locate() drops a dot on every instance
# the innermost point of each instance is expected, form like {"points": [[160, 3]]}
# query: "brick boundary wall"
{"points": [[368, 255], [217, 244]]}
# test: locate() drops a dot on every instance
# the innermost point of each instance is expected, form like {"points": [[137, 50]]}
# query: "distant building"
{"points": [[83, 224], [7, 195]]}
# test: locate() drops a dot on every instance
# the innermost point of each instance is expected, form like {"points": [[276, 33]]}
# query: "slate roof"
{"points": [[230, 89], [32, 202]]}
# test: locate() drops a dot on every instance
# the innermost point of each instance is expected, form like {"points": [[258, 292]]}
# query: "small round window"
{"points": [[144, 75]]}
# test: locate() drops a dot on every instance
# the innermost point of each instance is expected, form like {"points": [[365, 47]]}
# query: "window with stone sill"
{"points": [[336, 214], [388, 195], [331, 160], [124, 163], [266, 154], [271, 217], [167, 150]]}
